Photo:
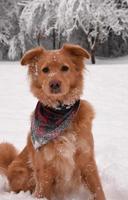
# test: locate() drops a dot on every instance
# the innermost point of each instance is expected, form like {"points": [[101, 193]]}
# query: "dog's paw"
{"points": [[39, 195]]}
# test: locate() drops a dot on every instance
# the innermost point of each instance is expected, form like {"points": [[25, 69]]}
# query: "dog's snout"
{"points": [[55, 86]]}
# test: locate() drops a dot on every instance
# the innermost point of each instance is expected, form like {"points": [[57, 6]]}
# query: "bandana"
{"points": [[49, 123]]}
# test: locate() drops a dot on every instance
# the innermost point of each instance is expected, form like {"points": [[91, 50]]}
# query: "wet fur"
{"points": [[65, 164]]}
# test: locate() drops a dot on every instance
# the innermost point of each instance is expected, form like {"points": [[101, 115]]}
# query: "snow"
{"points": [[106, 87]]}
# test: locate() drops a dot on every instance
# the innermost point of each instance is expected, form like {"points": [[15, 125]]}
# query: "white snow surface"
{"points": [[106, 87]]}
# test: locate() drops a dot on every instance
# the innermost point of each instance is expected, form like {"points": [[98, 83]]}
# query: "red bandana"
{"points": [[49, 123]]}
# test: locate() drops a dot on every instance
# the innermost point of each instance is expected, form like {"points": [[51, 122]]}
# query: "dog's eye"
{"points": [[64, 68], [45, 70]]}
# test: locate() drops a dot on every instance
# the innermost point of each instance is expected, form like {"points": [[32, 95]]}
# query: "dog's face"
{"points": [[57, 75]]}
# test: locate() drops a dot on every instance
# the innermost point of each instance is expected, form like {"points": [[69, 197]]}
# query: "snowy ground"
{"points": [[106, 87]]}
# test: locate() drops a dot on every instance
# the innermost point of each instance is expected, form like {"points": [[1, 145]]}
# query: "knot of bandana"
{"points": [[48, 123]]}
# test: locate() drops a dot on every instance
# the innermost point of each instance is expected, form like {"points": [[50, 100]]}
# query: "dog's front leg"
{"points": [[43, 185], [44, 178], [91, 178]]}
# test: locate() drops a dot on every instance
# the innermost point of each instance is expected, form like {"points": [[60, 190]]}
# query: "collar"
{"points": [[49, 123]]}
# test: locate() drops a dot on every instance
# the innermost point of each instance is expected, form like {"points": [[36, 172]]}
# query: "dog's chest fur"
{"points": [[60, 154]]}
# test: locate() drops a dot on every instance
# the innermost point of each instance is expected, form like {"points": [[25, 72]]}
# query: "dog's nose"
{"points": [[55, 86]]}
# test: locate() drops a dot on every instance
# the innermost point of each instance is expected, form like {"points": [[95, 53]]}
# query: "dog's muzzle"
{"points": [[55, 86]]}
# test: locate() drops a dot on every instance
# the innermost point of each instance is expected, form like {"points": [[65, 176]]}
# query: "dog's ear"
{"points": [[32, 55], [76, 50]]}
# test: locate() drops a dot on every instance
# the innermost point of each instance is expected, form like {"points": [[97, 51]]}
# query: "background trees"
{"points": [[8, 24], [97, 19], [38, 20], [92, 24]]}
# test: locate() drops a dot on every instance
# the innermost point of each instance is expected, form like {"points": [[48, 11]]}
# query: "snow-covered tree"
{"points": [[96, 18], [38, 19], [23, 3], [8, 22], [16, 46], [59, 19], [17, 42], [8, 18]]}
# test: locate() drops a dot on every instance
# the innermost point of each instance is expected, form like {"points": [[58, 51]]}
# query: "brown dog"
{"points": [[59, 155]]}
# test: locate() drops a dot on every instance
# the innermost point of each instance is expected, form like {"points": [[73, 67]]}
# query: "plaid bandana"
{"points": [[48, 123]]}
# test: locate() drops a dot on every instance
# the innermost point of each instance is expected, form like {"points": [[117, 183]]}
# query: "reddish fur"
{"points": [[7, 154], [45, 172]]}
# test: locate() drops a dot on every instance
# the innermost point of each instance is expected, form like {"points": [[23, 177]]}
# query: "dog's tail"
{"points": [[7, 154]]}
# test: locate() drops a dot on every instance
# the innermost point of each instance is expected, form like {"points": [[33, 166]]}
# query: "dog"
{"points": [[59, 155]]}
